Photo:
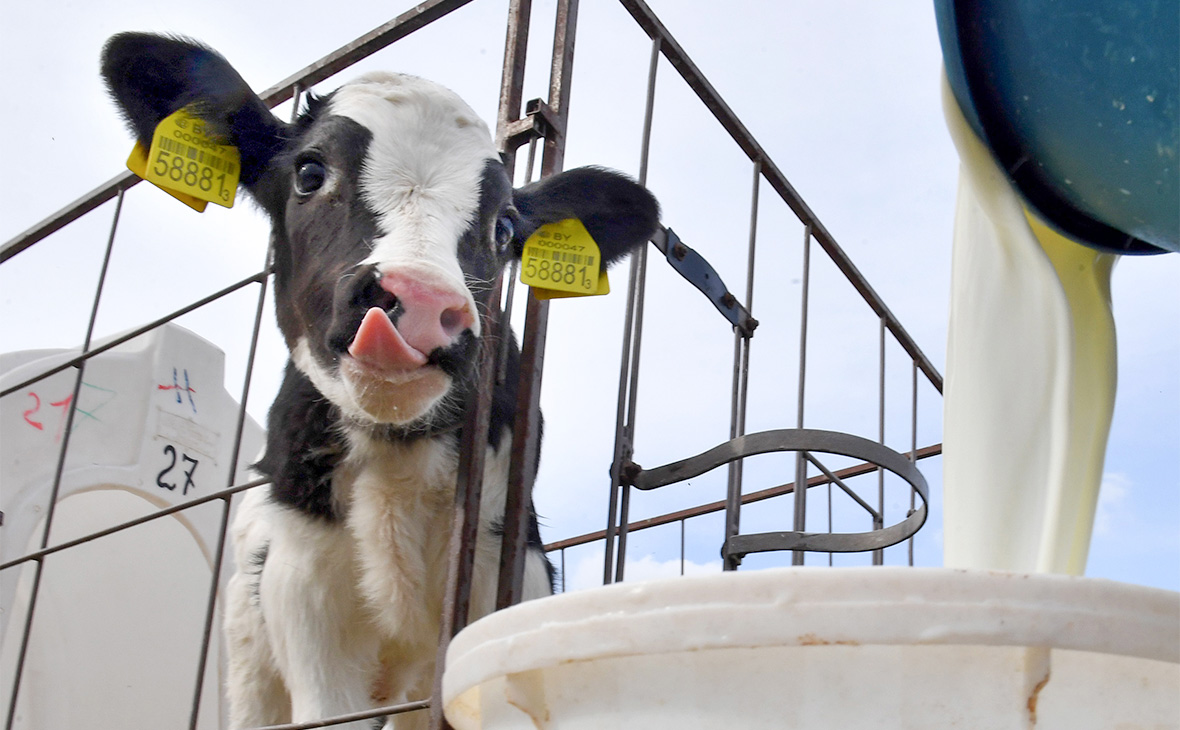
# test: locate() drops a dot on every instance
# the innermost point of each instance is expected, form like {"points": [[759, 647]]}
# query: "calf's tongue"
{"points": [[378, 344]]}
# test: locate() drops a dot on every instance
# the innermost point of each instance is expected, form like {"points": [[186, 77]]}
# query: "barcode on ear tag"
{"points": [[137, 163], [184, 159], [562, 257]]}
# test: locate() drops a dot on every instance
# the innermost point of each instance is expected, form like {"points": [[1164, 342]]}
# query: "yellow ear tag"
{"points": [[602, 288], [137, 163], [562, 260], [185, 159]]}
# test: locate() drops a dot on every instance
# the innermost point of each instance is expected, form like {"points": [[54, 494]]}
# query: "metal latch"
{"points": [[693, 267]]}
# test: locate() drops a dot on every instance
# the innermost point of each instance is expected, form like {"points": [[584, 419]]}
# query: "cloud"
{"points": [[1112, 500]]}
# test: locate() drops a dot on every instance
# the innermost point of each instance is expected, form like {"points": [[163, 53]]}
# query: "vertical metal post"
{"points": [[682, 546], [741, 379], [511, 97], [526, 436], [465, 521], [625, 413], [831, 529], [59, 469], [879, 519], [473, 450], [800, 522], [512, 78], [913, 445], [513, 544], [223, 527], [219, 553], [623, 439], [510, 280]]}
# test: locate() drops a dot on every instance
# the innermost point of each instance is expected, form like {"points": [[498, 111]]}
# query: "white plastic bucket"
{"points": [[826, 648]]}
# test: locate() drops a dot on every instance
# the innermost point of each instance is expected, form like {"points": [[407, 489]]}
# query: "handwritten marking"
{"points": [[188, 474], [98, 406], [35, 424], [177, 388], [170, 451], [64, 404]]}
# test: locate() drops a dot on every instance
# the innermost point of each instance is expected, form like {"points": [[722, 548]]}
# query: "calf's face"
{"points": [[397, 218], [392, 215]]}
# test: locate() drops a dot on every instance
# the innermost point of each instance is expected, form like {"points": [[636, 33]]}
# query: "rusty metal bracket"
{"points": [[693, 267], [539, 121]]}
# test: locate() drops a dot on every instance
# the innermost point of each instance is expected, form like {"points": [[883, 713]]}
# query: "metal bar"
{"points": [[418, 17], [223, 527], [624, 518], [513, 271], [623, 443], [235, 454], [516, 45], [738, 132], [733, 485], [552, 161], [682, 547], [831, 527], [560, 82], [403, 25], [220, 494], [913, 444], [468, 489], [838, 443], [800, 517], [800, 513], [711, 507], [526, 423], [823, 543], [109, 344], [640, 259], [649, 108], [697, 271], [625, 411], [767, 442], [352, 716], [513, 543], [67, 215], [526, 431], [741, 380], [59, 468], [834, 479], [879, 519]]}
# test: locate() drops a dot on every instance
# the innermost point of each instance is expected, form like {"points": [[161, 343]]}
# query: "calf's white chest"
{"points": [[400, 499]]}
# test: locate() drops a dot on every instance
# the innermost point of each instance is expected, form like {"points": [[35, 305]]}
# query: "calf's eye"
{"points": [[504, 233], [309, 177]]}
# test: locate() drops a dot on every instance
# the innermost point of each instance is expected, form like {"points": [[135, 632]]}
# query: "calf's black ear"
{"points": [[151, 76], [619, 213]]}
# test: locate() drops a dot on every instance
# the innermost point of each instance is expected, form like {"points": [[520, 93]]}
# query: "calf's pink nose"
{"points": [[431, 316]]}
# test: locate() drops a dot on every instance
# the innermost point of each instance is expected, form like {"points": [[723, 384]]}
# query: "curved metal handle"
{"points": [[799, 439]]}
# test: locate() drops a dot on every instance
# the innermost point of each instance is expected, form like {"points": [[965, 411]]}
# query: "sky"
{"points": [[843, 95]]}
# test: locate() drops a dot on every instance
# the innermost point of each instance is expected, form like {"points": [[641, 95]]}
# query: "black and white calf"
{"points": [[391, 215]]}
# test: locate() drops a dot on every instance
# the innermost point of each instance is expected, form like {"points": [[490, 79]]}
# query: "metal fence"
{"points": [[542, 124]]}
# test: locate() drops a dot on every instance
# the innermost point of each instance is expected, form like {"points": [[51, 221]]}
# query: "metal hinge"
{"points": [[693, 267]]}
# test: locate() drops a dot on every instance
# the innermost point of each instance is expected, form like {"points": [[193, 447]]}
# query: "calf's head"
{"points": [[391, 216]]}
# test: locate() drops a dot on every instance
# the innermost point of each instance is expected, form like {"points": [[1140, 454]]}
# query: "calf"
{"points": [[391, 216]]}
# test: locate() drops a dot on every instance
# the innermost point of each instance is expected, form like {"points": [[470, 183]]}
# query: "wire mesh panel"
{"points": [[237, 305], [741, 315]]}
